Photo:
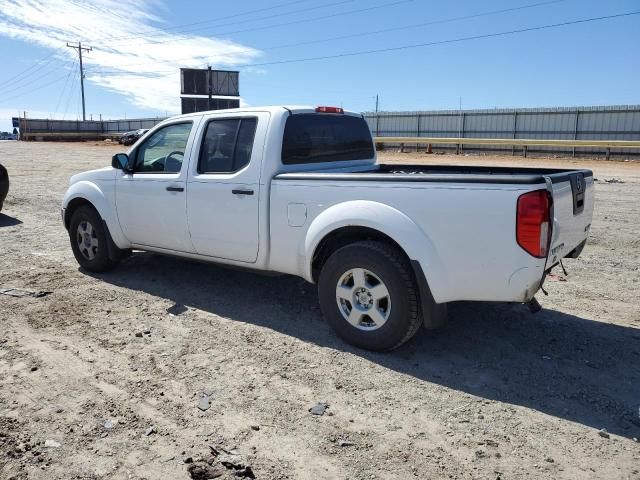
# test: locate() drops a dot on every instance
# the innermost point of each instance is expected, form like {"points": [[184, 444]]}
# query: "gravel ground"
{"points": [[104, 376]]}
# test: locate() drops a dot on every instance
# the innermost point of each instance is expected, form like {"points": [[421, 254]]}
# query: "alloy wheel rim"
{"points": [[87, 240], [363, 299]]}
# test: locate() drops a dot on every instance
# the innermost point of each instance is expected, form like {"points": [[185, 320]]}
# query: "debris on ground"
{"points": [[603, 433], [319, 408], [21, 292], [150, 431], [614, 180], [202, 471], [237, 464], [215, 464], [203, 402], [52, 444]]}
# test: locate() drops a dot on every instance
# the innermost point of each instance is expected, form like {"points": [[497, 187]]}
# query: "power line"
{"points": [[418, 45], [39, 64], [34, 80], [417, 25], [100, 10], [64, 87], [442, 42], [31, 82], [212, 20], [375, 32], [163, 32], [295, 22], [33, 89], [71, 90]]}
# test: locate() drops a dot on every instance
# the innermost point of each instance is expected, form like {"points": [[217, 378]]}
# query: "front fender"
{"points": [[387, 220], [92, 193]]}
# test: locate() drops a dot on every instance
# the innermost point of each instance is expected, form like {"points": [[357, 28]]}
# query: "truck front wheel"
{"points": [[89, 240], [369, 296]]}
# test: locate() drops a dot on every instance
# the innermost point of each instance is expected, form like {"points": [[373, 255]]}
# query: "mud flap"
{"points": [[115, 254], [434, 315]]}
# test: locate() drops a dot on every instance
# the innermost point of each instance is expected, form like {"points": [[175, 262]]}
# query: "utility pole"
{"points": [[210, 83], [80, 48], [377, 117]]}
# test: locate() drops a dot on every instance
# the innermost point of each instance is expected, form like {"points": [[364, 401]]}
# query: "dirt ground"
{"points": [[103, 377]]}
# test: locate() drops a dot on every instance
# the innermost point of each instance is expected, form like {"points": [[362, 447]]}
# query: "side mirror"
{"points": [[121, 162]]}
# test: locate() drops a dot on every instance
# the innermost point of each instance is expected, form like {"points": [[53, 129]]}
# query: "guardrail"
{"points": [[607, 145]]}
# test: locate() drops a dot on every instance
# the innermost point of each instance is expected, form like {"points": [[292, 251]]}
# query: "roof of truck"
{"points": [[266, 108]]}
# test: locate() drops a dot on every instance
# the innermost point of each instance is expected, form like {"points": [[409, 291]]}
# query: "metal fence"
{"points": [[577, 123], [34, 128]]}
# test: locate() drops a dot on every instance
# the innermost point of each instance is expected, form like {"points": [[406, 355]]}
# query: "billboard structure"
{"points": [[207, 89]]}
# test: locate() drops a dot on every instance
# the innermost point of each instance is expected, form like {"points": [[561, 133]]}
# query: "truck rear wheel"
{"points": [[89, 240], [369, 296]]}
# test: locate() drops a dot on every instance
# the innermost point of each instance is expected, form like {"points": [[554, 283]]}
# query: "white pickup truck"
{"points": [[297, 190]]}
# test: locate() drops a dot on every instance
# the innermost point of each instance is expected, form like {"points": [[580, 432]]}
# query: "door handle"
{"points": [[242, 192], [175, 189]]}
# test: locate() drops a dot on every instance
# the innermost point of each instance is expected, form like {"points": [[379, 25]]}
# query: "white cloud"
{"points": [[122, 60]]}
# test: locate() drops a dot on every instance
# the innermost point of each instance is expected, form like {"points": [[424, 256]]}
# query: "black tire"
{"points": [[4, 185], [93, 253], [393, 270]]}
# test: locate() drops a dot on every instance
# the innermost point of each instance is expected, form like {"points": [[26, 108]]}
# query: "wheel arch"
{"points": [[73, 205], [343, 236], [362, 219], [88, 193]]}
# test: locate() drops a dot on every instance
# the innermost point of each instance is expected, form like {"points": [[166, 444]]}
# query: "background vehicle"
{"points": [[4, 185], [132, 137], [297, 190]]}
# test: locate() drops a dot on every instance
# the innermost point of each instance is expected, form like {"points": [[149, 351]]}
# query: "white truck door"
{"points": [[223, 188], [152, 201]]}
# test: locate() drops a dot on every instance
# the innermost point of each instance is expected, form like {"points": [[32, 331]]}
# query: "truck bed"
{"points": [[466, 213], [444, 173]]}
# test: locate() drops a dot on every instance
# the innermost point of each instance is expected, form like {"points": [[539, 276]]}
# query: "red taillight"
{"points": [[533, 229], [329, 110]]}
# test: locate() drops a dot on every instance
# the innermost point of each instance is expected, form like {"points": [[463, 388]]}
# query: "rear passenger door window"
{"points": [[227, 145]]}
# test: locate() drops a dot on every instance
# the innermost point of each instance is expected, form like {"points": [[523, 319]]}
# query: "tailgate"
{"points": [[573, 194]]}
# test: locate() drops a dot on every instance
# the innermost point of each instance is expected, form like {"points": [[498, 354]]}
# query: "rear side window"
{"points": [[227, 145], [317, 137]]}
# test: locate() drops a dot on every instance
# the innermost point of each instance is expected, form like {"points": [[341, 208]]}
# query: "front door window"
{"points": [[163, 151]]}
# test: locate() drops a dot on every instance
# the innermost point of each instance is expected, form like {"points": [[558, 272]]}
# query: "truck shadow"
{"points": [[7, 221], [577, 369]]}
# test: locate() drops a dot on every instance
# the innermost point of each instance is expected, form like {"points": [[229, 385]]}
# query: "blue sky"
{"points": [[139, 45]]}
